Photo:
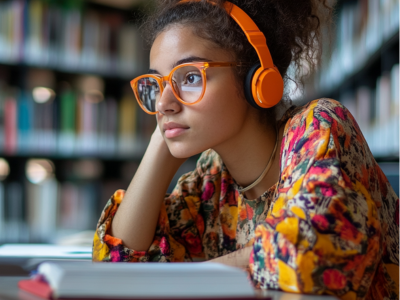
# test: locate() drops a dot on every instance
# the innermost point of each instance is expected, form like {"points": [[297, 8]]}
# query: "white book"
{"points": [[145, 280], [45, 251]]}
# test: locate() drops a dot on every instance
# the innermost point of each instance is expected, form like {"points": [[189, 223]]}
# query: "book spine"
{"points": [[24, 122], [48, 127], [10, 125], [66, 135], [111, 125], [101, 127], [15, 224], [34, 49], [58, 35], [72, 36], [127, 125]]}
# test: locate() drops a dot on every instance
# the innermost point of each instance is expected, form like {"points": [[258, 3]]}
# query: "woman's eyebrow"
{"points": [[152, 71], [189, 59], [181, 61]]}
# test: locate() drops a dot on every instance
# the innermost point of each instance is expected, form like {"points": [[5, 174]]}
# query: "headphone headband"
{"points": [[263, 86], [254, 35]]}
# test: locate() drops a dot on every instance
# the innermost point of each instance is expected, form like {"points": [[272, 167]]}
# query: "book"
{"points": [[10, 125], [66, 135], [108, 126], [14, 213], [363, 27], [24, 122], [127, 124], [69, 35], [46, 251], [34, 49], [63, 280], [129, 47]]}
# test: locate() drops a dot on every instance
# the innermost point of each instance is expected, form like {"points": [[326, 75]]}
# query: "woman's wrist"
{"points": [[158, 144]]}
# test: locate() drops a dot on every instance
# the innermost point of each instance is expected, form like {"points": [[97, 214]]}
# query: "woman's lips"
{"points": [[173, 129], [174, 132]]}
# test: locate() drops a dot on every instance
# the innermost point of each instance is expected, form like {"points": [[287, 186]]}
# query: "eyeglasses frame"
{"points": [[202, 66]]}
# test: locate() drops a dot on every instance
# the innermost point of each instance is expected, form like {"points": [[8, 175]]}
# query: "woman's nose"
{"points": [[168, 104]]}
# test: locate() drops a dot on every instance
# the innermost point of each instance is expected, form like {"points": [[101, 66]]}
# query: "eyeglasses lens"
{"points": [[188, 83], [149, 93]]}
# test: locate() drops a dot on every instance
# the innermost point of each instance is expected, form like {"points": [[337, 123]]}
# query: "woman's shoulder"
{"points": [[315, 117], [312, 129], [325, 109]]}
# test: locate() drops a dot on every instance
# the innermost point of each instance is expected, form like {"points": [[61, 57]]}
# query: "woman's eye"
{"points": [[192, 78]]}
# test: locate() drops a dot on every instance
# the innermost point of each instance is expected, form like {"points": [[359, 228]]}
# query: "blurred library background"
{"points": [[71, 132]]}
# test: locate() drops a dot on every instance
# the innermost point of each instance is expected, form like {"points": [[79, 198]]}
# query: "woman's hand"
{"points": [[157, 134], [239, 258], [136, 218]]}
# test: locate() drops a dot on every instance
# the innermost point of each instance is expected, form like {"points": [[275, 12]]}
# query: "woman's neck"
{"points": [[247, 154]]}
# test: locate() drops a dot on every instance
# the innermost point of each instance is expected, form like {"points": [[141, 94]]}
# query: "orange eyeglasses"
{"points": [[188, 82]]}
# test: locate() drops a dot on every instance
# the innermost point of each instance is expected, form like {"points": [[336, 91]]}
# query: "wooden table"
{"points": [[9, 291]]}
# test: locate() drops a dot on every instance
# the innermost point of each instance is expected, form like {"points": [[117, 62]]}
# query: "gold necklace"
{"points": [[240, 189]]}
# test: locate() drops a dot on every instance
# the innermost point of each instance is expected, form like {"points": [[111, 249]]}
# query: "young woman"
{"points": [[298, 200]]}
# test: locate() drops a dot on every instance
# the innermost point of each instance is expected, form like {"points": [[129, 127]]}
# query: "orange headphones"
{"points": [[263, 85]]}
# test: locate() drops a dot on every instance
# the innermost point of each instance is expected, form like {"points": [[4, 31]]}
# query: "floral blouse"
{"points": [[330, 225]]}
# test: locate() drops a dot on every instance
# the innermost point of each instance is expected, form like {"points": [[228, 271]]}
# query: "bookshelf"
{"points": [[71, 132], [84, 54], [362, 71]]}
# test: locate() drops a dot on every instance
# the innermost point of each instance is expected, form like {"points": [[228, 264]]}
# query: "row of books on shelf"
{"points": [[362, 28], [50, 210], [377, 113], [65, 36], [72, 124]]}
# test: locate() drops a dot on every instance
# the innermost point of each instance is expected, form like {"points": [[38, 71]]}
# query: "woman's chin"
{"points": [[183, 152]]}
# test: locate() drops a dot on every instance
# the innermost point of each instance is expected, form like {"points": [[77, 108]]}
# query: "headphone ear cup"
{"points": [[269, 88], [247, 86]]}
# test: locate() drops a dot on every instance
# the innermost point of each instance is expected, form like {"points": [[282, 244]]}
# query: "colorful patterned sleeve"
{"points": [[107, 247], [177, 236], [323, 232]]}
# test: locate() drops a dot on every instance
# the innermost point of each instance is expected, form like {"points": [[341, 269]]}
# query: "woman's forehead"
{"points": [[178, 44]]}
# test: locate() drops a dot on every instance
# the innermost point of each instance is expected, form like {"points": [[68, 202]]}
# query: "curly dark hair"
{"points": [[292, 29]]}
